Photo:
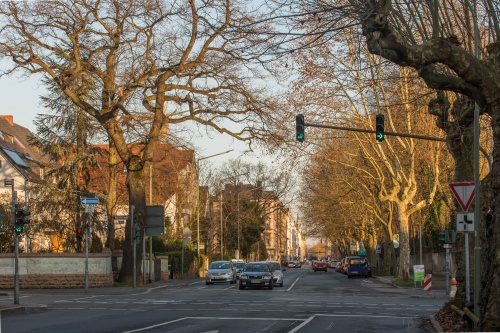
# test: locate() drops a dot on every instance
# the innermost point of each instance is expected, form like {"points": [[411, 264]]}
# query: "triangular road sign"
{"points": [[464, 192]]}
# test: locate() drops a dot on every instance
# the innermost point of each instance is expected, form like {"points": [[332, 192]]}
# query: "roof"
{"points": [[167, 164], [15, 146]]}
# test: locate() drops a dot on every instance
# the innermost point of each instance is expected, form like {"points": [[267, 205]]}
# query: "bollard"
{"points": [[453, 288], [428, 282]]}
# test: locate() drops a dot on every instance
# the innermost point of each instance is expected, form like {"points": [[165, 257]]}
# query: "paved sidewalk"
{"points": [[438, 287]]}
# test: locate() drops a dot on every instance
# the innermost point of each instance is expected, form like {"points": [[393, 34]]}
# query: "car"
{"points": [[238, 265], [339, 265], [292, 264], [256, 274], [332, 264], [277, 271], [320, 266], [344, 266], [357, 266], [220, 271]]}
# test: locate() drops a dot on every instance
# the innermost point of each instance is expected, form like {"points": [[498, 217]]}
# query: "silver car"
{"points": [[220, 271], [277, 271]]}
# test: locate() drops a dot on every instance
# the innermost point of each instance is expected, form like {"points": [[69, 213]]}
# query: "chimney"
{"points": [[9, 118]]}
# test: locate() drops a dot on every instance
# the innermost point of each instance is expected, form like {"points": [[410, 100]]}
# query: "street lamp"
{"points": [[198, 196], [238, 214], [221, 226]]}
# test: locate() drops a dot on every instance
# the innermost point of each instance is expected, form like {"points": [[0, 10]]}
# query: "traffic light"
{"points": [[137, 234], [79, 234], [2, 229], [379, 127], [442, 238], [299, 126], [21, 218]]}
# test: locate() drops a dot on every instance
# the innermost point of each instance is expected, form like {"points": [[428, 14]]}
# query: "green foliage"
{"points": [[95, 245], [432, 224], [159, 245], [175, 260]]}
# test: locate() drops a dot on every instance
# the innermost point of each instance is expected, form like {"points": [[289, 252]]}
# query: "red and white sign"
{"points": [[464, 192]]}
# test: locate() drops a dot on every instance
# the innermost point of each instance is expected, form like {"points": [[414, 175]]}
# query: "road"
{"points": [[308, 302]]}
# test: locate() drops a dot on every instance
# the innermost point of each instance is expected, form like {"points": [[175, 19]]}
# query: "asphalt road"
{"points": [[308, 302]]}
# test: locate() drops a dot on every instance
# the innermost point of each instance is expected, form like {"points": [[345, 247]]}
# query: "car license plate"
{"points": [[354, 272], [256, 281], [218, 277]]}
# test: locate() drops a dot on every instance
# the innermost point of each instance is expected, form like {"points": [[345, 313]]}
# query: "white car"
{"points": [[277, 271], [220, 271]]}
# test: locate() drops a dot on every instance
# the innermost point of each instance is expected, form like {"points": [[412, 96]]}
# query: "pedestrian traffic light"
{"points": [[79, 234], [379, 127], [21, 218], [299, 126]]}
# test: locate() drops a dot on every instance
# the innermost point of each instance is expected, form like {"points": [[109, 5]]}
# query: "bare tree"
{"points": [[437, 41], [140, 67]]}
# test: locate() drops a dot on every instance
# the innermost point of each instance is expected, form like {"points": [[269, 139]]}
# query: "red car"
{"points": [[320, 266]]}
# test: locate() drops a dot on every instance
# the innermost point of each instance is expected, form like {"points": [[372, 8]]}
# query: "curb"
{"points": [[435, 323]]}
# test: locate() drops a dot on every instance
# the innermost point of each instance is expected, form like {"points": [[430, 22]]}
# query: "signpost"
{"points": [[418, 274], [89, 204], [464, 193]]}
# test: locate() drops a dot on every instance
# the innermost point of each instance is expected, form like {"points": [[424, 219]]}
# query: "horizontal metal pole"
{"points": [[415, 136]]}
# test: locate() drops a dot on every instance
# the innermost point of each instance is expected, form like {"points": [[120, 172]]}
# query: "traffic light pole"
{"points": [[89, 223], [415, 136]]}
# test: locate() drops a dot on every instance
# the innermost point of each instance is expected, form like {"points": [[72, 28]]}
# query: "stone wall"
{"points": [[56, 270]]}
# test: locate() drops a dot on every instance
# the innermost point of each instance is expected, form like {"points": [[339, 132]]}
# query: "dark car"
{"points": [[256, 274], [357, 266], [320, 266]]}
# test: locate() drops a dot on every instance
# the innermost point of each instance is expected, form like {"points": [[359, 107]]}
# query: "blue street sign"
{"points": [[90, 201], [379, 248]]}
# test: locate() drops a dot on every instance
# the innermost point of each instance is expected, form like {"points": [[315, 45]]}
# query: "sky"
{"points": [[20, 98]]}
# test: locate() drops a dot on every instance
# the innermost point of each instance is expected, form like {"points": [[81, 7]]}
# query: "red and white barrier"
{"points": [[428, 282]]}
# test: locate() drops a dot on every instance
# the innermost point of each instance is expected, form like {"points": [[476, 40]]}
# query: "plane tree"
{"points": [[453, 47], [140, 68]]}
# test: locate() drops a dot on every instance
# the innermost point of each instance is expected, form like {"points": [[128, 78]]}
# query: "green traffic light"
{"points": [[18, 229], [380, 136], [300, 136]]}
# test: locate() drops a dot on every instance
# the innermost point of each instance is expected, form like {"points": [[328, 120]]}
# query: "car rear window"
{"points": [[357, 261]]}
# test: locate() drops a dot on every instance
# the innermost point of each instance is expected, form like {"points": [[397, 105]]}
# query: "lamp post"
{"points": [[198, 197], [221, 226], [238, 214]]}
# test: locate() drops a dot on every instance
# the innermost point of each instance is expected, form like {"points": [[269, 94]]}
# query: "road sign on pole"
{"points": [[465, 222], [464, 192], [89, 201]]}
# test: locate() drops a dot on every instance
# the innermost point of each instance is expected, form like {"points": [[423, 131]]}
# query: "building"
{"points": [[281, 237]]}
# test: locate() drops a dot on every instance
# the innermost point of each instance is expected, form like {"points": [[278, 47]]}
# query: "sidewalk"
{"points": [[438, 287]]}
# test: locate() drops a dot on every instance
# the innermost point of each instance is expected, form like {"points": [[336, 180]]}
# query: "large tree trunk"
{"points": [[111, 202], [137, 198], [404, 247]]}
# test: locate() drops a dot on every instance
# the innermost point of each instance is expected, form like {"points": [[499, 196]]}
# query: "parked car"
{"points": [[256, 274], [277, 271], [357, 266], [320, 266], [344, 267], [220, 271]]}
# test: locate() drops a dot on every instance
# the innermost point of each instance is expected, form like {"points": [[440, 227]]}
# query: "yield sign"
{"points": [[464, 192]]}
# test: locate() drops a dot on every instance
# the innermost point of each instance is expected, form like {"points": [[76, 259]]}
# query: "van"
{"points": [[357, 266]]}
